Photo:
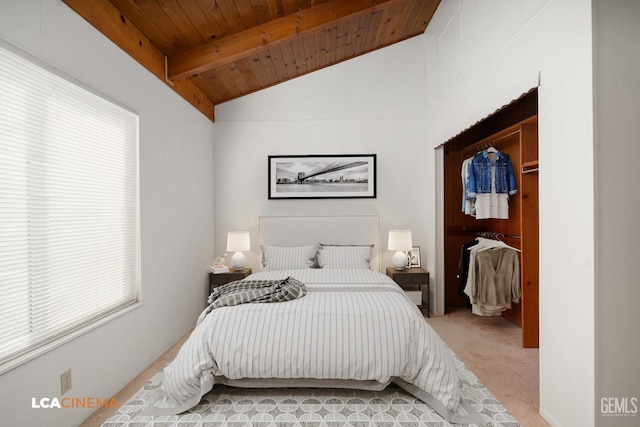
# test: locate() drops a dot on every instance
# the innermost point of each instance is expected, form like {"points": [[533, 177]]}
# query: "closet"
{"points": [[512, 130]]}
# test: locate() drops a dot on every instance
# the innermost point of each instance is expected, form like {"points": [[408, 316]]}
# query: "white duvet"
{"points": [[353, 328]]}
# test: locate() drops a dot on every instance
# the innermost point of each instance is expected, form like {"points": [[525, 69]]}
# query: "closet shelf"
{"points": [[528, 167]]}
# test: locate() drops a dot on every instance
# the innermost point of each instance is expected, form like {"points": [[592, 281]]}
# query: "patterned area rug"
{"points": [[305, 407]]}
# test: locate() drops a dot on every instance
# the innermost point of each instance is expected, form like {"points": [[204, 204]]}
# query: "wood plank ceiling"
{"points": [[212, 51]]}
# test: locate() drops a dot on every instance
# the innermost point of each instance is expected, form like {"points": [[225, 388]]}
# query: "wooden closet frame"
{"points": [[521, 230]]}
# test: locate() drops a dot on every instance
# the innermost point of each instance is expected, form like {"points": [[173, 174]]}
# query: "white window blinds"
{"points": [[69, 227]]}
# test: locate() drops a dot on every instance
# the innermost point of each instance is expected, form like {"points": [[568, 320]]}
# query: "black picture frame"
{"points": [[322, 176]]}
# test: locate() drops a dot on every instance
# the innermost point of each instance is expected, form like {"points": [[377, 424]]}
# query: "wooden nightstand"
{"points": [[216, 280], [411, 279]]}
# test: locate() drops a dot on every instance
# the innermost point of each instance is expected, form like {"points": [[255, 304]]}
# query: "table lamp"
{"points": [[238, 242], [400, 241]]}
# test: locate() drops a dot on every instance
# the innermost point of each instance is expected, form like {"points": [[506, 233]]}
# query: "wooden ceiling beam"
{"points": [[107, 19], [268, 35]]}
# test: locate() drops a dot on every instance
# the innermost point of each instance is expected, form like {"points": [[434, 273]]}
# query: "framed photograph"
{"points": [[413, 257], [347, 176]]}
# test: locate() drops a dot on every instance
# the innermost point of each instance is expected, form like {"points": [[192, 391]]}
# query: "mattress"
{"points": [[353, 328]]}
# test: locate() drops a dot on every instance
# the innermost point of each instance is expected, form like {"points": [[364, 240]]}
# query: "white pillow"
{"points": [[287, 257], [337, 257], [362, 247]]}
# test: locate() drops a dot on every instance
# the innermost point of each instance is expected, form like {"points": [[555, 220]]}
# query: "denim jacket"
{"points": [[479, 181]]}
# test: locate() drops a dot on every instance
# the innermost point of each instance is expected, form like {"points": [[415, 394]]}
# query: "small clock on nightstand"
{"points": [[411, 279], [216, 280]]}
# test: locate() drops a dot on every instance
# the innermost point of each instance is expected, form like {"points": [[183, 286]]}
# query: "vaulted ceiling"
{"points": [[212, 51]]}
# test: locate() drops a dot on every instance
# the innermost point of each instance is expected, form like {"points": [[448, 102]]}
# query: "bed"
{"points": [[352, 328]]}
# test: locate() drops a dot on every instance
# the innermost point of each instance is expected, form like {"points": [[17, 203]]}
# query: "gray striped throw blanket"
{"points": [[254, 291]]}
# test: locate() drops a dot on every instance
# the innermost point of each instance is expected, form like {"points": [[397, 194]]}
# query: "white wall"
{"points": [[371, 104], [176, 209], [481, 55], [617, 109]]}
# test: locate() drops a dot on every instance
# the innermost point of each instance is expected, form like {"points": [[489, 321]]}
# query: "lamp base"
{"points": [[238, 261], [399, 260]]}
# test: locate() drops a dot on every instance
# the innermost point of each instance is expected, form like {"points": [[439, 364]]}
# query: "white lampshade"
{"points": [[400, 241], [238, 241]]}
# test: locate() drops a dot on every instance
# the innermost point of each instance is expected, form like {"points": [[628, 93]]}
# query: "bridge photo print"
{"points": [[322, 176]]}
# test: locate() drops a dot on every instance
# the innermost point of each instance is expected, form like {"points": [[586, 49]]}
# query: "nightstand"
{"points": [[411, 279], [216, 280]]}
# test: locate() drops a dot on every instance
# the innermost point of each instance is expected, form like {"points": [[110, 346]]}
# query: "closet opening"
{"points": [[511, 221]]}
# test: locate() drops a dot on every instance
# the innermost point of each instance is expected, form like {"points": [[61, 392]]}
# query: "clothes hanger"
{"points": [[491, 240], [498, 244]]}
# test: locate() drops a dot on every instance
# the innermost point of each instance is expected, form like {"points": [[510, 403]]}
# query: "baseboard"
{"points": [[548, 418]]}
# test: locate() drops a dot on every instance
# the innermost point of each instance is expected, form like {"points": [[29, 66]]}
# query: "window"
{"points": [[69, 222]]}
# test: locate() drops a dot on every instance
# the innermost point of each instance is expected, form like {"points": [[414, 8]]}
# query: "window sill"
{"points": [[37, 352]]}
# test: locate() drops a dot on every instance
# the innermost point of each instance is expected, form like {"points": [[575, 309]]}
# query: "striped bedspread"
{"points": [[352, 325]]}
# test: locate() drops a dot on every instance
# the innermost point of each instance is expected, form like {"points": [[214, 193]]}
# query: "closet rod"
{"points": [[512, 236], [490, 143], [492, 234], [484, 233]]}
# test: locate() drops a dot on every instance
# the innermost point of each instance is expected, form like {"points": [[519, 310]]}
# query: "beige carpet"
{"points": [[491, 349]]}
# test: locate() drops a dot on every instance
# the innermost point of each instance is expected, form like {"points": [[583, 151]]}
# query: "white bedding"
{"points": [[353, 328]]}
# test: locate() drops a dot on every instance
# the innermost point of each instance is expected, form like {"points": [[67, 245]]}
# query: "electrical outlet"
{"points": [[65, 381]]}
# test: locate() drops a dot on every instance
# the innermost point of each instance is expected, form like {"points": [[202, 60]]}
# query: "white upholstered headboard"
{"points": [[307, 230]]}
